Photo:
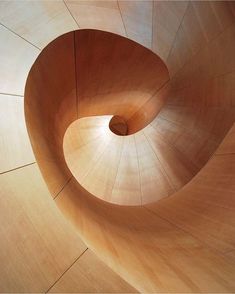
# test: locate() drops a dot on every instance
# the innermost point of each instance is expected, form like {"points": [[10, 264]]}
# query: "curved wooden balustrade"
{"points": [[151, 162], [182, 243], [108, 71]]}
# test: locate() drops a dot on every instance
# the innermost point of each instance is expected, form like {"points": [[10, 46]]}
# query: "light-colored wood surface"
{"points": [[205, 208], [118, 169], [95, 14], [164, 32], [90, 275], [104, 172], [191, 111], [183, 243], [14, 140], [37, 244], [202, 25], [38, 22], [127, 181], [13, 72], [101, 178], [154, 181], [85, 141], [169, 259], [137, 19]]}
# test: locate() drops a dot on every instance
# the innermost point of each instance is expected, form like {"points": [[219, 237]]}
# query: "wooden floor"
{"points": [[153, 211]]}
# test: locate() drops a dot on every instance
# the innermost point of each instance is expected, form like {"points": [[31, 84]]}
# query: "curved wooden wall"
{"points": [[184, 243], [104, 75]]}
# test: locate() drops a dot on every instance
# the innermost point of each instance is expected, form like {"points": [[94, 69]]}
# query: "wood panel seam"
{"points": [[66, 271], [152, 24], [173, 43], [182, 125], [147, 101], [122, 18], [96, 162], [174, 147], [9, 94], [67, 182], [200, 48], [141, 192], [216, 251], [161, 165], [20, 37], [71, 13], [118, 166], [16, 168]]}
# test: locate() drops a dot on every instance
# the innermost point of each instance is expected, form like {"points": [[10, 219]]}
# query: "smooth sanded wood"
{"points": [[183, 243], [90, 275], [29, 19], [14, 140], [37, 244]]}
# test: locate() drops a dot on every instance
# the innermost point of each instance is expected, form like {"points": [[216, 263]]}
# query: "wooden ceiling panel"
{"points": [[39, 22], [100, 15], [37, 244], [91, 275], [167, 17], [137, 18], [16, 59], [14, 144]]}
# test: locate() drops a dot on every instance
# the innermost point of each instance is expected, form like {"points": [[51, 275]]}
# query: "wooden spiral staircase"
{"points": [[130, 115]]}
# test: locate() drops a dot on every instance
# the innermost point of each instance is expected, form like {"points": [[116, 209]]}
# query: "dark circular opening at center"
{"points": [[118, 126]]}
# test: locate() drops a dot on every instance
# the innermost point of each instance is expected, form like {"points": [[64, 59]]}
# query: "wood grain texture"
{"points": [[228, 146], [205, 22], [110, 76], [114, 168], [168, 258], [177, 230], [206, 207], [155, 183], [98, 93], [59, 58], [37, 243], [183, 243], [90, 275], [127, 181]]}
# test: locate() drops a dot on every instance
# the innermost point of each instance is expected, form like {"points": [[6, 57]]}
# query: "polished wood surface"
{"points": [[169, 258], [183, 243], [95, 88], [110, 76], [50, 157]]}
